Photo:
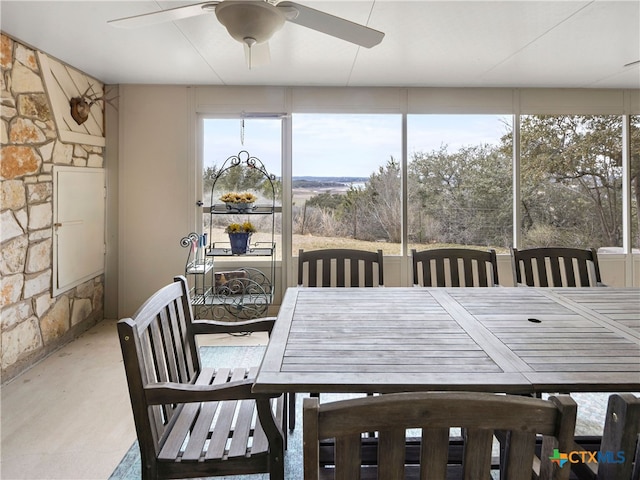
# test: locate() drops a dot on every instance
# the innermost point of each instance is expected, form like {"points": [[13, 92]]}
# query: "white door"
{"points": [[78, 240]]}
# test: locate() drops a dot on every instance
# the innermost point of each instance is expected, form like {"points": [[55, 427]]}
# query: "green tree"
{"points": [[461, 197], [572, 177], [381, 218], [208, 176], [241, 178], [326, 201], [353, 202]]}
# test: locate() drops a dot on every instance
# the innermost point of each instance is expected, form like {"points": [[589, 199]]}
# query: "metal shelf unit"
{"points": [[242, 292]]}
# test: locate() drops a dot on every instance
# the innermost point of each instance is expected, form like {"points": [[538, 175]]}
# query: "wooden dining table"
{"points": [[522, 340]]}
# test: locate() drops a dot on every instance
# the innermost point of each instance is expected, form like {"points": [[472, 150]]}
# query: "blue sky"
{"points": [[346, 145]]}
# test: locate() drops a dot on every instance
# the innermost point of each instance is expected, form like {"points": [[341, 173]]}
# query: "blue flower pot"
{"points": [[239, 242]]}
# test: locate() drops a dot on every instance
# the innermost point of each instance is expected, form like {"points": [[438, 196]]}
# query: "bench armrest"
{"points": [[171, 392], [215, 326]]}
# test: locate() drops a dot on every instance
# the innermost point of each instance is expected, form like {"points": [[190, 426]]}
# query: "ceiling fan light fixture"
{"points": [[243, 20]]}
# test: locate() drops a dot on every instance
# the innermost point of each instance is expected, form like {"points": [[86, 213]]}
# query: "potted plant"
{"points": [[239, 236], [239, 202]]}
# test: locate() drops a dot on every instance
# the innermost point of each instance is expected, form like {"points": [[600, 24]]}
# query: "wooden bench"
{"points": [[193, 421]]}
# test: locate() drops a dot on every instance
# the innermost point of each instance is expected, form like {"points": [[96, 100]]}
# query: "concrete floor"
{"points": [[69, 416]]}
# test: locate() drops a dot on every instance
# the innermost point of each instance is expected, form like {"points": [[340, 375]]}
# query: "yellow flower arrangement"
{"points": [[246, 227], [233, 197]]}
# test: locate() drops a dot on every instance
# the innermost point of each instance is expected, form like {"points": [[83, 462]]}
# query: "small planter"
{"points": [[239, 242]]}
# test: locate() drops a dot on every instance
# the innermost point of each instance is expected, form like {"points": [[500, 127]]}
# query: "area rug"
{"points": [[222, 356]]}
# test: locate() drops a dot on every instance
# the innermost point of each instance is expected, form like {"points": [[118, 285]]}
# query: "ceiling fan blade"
{"points": [[162, 16], [331, 25], [257, 55]]}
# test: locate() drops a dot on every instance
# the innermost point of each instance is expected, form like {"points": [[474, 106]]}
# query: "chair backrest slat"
{"points": [[171, 368], [453, 267], [326, 271], [176, 322], [520, 445], [477, 453], [391, 453], [340, 268], [467, 264], [556, 267], [556, 273], [348, 454], [434, 452], [479, 268]]}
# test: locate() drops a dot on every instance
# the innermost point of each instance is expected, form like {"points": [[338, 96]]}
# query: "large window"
{"points": [[224, 138], [459, 181], [571, 181], [347, 174], [347, 182]]}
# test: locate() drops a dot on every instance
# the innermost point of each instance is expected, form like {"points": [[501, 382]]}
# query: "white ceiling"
{"points": [[513, 43]]}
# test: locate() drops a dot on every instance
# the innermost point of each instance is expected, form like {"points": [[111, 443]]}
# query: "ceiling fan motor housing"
{"points": [[257, 20]]}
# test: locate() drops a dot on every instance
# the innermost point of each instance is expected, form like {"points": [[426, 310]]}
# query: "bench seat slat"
{"points": [[218, 444], [195, 424], [242, 431], [202, 429], [184, 423], [179, 432]]}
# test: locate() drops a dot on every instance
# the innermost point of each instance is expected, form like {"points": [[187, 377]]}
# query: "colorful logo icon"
{"points": [[559, 458]]}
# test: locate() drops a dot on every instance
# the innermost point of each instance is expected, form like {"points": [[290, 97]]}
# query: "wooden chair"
{"points": [[337, 267], [556, 267], [193, 421], [479, 268], [478, 414], [340, 267], [619, 449]]}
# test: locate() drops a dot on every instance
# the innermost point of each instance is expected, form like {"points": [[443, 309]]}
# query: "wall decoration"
{"points": [[64, 83]]}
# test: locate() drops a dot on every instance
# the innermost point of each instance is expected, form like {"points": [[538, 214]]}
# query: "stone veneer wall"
{"points": [[33, 323]]}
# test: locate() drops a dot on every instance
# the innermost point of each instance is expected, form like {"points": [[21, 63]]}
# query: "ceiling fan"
{"points": [[253, 23]]}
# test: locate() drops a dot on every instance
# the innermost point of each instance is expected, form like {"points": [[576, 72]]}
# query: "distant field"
{"points": [[306, 187], [301, 195], [310, 242], [313, 242]]}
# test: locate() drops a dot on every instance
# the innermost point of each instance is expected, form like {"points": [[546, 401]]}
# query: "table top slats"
{"points": [[513, 340]]}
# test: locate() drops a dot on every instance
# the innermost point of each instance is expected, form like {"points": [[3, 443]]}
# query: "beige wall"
{"points": [[154, 194]]}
